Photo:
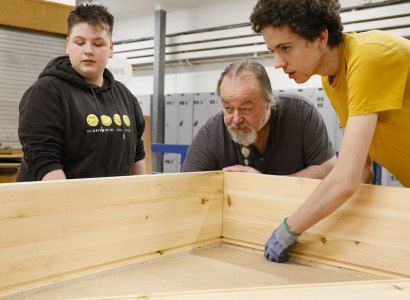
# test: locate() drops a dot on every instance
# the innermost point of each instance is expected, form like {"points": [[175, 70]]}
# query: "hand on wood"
{"points": [[240, 168], [279, 245]]}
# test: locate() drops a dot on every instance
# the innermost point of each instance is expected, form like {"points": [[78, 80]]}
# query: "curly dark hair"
{"points": [[308, 18], [93, 14]]}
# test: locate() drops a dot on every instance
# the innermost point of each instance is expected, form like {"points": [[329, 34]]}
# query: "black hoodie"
{"points": [[85, 130]]}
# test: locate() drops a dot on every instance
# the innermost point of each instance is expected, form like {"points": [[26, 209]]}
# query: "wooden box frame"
{"points": [[56, 231]]}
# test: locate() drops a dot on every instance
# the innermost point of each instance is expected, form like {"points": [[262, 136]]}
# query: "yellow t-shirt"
{"points": [[373, 76]]}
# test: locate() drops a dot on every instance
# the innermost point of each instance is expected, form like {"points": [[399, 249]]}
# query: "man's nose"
{"points": [[237, 117], [279, 62], [88, 48]]}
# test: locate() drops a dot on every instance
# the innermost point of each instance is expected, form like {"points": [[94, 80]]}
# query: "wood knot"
{"points": [[357, 242], [160, 252], [203, 201], [228, 200], [323, 240]]}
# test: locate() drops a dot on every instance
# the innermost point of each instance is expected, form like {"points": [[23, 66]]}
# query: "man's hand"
{"points": [[240, 168], [54, 175], [280, 243]]}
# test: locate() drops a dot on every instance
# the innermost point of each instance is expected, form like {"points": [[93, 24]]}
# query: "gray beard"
{"points": [[243, 138]]}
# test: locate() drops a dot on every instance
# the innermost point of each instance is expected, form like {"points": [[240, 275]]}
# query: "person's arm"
{"points": [[344, 180], [54, 175], [317, 171], [138, 167], [341, 183], [367, 174], [41, 129]]}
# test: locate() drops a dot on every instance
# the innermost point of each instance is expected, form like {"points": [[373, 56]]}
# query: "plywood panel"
{"points": [[54, 228], [371, 230], [35, 14], [378, 290], [204, 269]]}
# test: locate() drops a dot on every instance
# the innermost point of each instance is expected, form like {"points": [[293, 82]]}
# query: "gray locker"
{"points": [[185, 104], [179, 109], [171, 119], [323, 105], [145, 103], [171, 160], [200, 112], [389, 179], [206, 105], [214, 105], [172, 163]]}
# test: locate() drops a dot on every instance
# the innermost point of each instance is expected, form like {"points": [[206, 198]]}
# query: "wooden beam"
{"points": [[52, 230], [35, 14], [370, 231], [369, 290]]}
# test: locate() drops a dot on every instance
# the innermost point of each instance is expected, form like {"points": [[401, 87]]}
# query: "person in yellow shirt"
{"points": [[366, 77]]}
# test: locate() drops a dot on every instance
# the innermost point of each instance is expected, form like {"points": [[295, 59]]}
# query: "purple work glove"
{"points": [[280, 243]]}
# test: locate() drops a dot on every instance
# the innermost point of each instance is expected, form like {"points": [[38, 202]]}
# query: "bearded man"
{"points": [[260, 132]]}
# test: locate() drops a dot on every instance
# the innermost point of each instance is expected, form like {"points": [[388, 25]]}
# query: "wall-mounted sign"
{"points": [[120, 68]]}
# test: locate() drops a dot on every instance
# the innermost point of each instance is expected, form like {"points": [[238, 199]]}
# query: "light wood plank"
{"points": [[209, 268], [35, 14], [370, 231], [50, 229], [378, 290]]}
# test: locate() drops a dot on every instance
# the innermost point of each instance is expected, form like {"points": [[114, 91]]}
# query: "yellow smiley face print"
{"points": [[92, 120], [106, 120], [126, 120], [117, 119]]}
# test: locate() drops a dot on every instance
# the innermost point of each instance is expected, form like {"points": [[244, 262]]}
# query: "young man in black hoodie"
{"points": [[76, 121]]}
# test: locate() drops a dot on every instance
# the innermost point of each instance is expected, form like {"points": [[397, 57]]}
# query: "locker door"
{"points": [[171, 160], [329, 116], [145, 103], [185, 103], [389, 179], [200, 111], [214, 105]]}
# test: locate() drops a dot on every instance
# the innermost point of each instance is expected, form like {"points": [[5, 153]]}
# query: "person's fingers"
{"points": [[236, 168]]}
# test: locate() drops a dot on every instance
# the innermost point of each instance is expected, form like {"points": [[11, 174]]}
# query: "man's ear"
{"points": [[111, 49], [66, 45], [323, 39]]}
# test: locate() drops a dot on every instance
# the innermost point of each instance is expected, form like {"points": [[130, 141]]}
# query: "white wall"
{"points": [[201, 78], [217, 14]]}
